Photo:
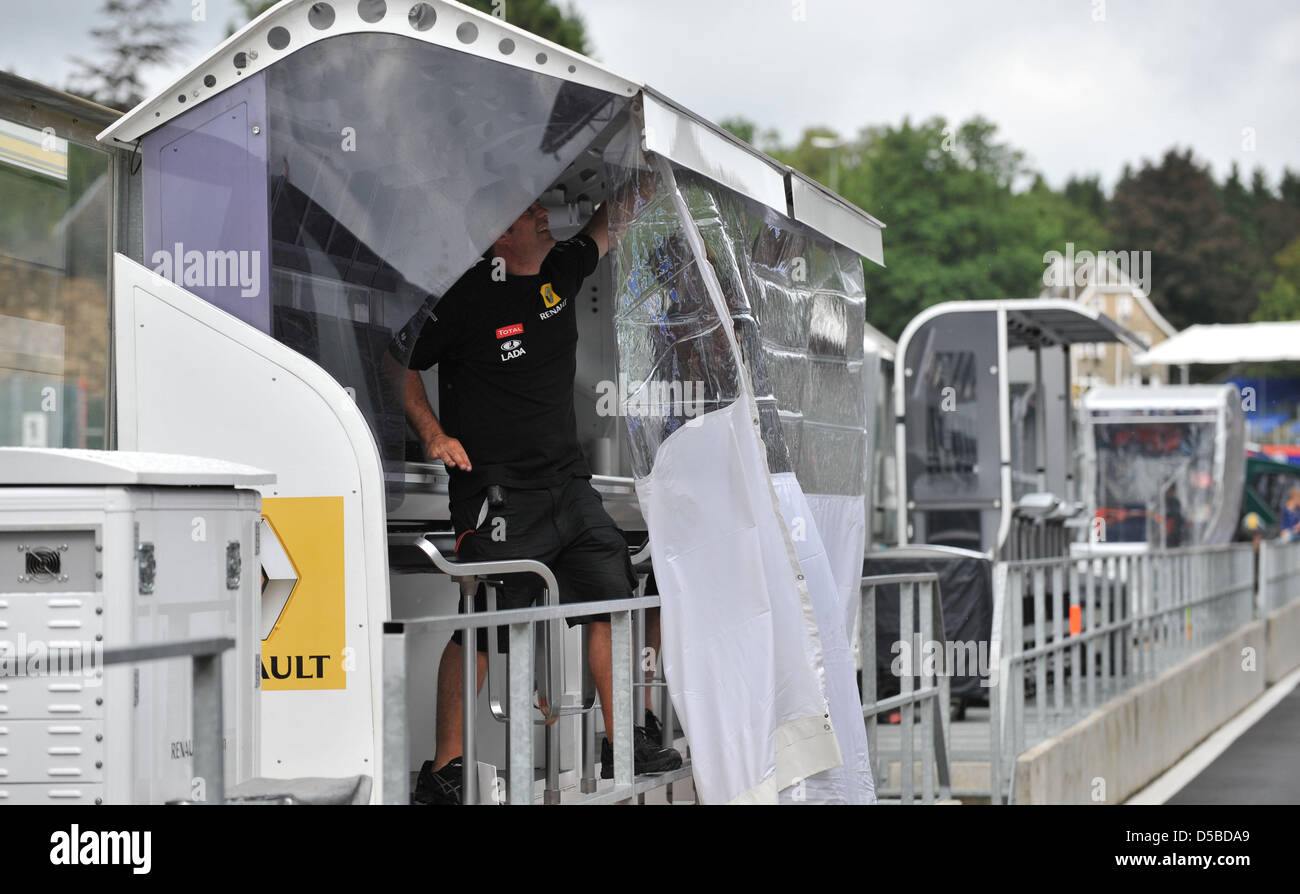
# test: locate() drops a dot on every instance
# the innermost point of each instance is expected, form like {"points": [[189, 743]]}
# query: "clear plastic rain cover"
{"points": [[740, 335], [1168, 477], [365, 242]]}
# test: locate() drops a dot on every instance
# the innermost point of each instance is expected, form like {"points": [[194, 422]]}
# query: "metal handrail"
{"points": [[1131, 616], [552, 680], [1279, 575], [520, 621], [935, 738]]}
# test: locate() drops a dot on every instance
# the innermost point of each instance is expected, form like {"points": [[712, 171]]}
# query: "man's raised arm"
{"points": [[598, 227]]}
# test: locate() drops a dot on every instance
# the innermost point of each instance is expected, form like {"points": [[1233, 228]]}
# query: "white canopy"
{"points": [[1223, 343], [670, 129]]}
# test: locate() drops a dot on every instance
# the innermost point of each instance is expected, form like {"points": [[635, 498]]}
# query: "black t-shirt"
{"points": [[507, 356]]}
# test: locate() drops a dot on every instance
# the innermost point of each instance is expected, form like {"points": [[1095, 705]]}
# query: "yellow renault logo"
{"points": [[549, 298]]}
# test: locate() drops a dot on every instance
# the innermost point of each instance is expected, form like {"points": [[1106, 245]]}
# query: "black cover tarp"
{"points": [[966, 588]]}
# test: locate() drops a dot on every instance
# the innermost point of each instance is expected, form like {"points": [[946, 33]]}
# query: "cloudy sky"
{"points": [[1081, 85]]}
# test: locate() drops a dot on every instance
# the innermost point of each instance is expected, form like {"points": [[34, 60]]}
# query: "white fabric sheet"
{"points": [[735, 623], [832, 570]]}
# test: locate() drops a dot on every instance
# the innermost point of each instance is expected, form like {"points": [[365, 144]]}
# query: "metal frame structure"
{"points": [[521, 622], [294, 390], [181, 367], [1101, 624], [1279, 575], [1035, 323]]}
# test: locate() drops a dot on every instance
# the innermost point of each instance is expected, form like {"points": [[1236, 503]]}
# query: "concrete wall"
{"points": [[1132, 739], [1283, 642]]}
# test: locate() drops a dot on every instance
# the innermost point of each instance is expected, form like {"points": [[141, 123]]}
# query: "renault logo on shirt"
{"points": [[549, 298]]}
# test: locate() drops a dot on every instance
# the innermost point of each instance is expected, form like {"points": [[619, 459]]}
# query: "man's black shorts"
{"points": [[565, 527]]}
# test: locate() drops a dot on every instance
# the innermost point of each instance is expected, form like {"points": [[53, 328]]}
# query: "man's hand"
{"points": [[437, 443], [446, 448]]}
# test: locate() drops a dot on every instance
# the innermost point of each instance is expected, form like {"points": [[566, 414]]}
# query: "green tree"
{"points": [[1282, 300], [1086, 193], [543, 18], [741, 128], [1243, 204], [249, 10], [1203, 268], [134, 36], [956, 229]]}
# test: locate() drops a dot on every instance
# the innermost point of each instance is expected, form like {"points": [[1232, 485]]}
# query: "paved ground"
{"points": [[1261, 767]]}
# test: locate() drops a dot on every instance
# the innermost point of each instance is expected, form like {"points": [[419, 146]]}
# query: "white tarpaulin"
{"points": [[1227, 343], [755, 601]]}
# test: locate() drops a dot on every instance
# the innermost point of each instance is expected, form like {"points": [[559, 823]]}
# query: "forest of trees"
{"points": [[968, 219], [966, 216]]}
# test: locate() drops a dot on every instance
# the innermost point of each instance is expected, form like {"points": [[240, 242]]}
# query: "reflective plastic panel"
{"points": [[797, 307]]}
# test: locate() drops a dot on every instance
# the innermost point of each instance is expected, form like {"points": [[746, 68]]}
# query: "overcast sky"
{"points": [[1078, 95]]}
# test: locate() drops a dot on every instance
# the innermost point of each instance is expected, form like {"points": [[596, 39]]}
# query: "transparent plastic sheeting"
{"points": [[393, 165], [797, 304], [754, 642], [1165, 481]]}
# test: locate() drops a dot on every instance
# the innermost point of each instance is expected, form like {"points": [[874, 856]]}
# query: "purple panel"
{"points": [[205, 202]]}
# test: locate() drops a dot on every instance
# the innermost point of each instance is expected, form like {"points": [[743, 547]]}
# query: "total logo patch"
{"points": [[512, 329]]}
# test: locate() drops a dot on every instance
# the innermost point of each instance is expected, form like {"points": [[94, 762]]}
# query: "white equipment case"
{"points": [[106, 549]]}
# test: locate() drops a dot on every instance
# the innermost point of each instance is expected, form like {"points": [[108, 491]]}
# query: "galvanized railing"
{"points": [[926, 662], [1070, 633], [521, 686], [1279, 574], [206, 708]]}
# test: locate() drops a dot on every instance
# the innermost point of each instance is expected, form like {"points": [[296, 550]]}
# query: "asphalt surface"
{"points": [[1260, 767]]}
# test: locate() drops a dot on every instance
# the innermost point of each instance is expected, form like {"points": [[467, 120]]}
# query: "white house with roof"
{"points": [[1110, 282]]}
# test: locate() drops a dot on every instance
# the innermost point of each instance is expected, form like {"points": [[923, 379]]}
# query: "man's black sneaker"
{"points": [[441, 787], [648, 756], [653, 728]]}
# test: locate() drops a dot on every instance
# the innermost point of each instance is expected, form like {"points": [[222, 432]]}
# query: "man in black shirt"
{"points": [[505, 338]]}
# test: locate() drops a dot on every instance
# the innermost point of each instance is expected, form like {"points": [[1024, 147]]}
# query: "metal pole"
{"points": [[620, 628], [209, 760], [587, 724], [638, 639], [927, 682], [397, 745], [1040, 639], [552, 674], [521, 708], [1058, 638], [469, 695], [906, 594], [867, 656]]}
